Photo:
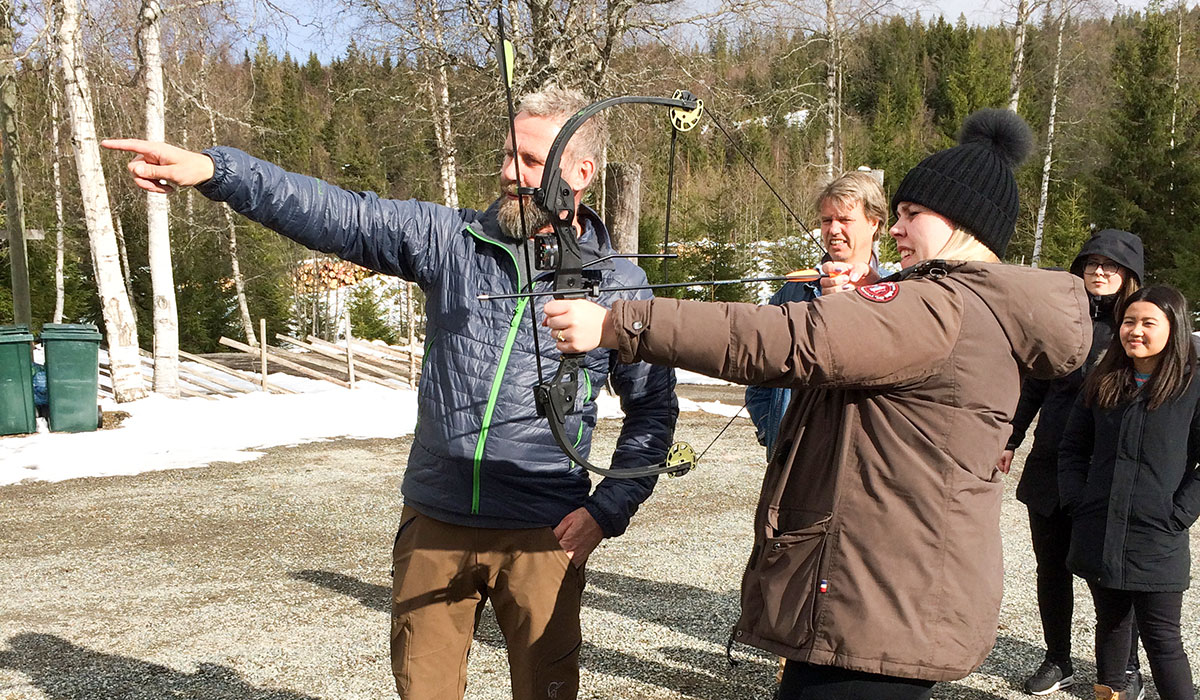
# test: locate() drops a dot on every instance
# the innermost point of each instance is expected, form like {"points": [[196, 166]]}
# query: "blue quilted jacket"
{"points": [[481, 456]]}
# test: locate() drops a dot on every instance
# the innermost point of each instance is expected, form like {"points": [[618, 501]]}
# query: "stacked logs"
{"points": [[327, 275]]}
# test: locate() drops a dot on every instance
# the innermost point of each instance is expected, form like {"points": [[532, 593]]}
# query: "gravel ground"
{"points": [[269, 581]]}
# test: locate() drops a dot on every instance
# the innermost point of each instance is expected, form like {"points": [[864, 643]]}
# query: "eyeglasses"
{"points": [[1108, 268]]}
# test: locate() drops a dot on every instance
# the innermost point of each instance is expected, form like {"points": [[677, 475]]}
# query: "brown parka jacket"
{"points": [[877, 535]]}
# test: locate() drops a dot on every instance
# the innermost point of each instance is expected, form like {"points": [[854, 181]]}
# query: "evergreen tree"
{"points": [[366, 316], [1145, 185]]}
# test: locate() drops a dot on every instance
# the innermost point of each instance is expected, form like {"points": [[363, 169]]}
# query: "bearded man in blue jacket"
{"points": [[493, 510]]}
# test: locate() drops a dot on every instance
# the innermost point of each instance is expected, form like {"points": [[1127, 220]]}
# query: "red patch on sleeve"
{"points": [[881, 292]]}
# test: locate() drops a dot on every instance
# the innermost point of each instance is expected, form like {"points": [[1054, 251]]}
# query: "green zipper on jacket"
{"points": [[513, 327], [587, 396]]}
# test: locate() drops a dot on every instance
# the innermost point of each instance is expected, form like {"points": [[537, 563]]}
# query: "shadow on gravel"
{"points": [[949, 691], [705, 615], [65, 671], [698, 612], [370, 595], [699, 674], [693, 672]]}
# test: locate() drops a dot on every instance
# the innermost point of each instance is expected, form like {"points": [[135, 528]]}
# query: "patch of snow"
{"points": [[682, 376], [163, 433]]}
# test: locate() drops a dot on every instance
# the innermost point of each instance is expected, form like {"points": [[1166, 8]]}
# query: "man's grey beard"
{"points": [[509, 217]]}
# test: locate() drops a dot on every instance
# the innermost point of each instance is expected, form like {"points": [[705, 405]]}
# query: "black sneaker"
{"points": [[1134, 690], [1049, 677]]}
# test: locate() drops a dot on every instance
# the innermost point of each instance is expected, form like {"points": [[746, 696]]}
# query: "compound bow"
{"points": [[559, 250]]}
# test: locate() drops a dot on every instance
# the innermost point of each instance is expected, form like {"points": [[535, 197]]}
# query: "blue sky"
{"points": [[300, 36]]}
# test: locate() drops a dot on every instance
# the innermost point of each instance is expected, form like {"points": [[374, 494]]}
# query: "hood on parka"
{"points": [[1046, 315], [1122, 247]]}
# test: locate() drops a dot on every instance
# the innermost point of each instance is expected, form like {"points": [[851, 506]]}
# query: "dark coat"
{"points": [[877, 533], [1129, 479], [481, 456], [1051, 400]]}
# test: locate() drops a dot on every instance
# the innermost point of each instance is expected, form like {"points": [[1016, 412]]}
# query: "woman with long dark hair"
{"points": [[1110, 263], [1128, 478]]}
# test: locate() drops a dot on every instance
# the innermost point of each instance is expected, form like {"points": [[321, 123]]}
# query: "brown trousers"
{"points": [[444, 574]]}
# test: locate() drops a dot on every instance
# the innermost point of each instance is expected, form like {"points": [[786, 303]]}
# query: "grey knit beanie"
{"points": [[972, 184]]}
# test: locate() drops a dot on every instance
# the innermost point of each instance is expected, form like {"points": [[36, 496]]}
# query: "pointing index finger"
{"points": [[138, 146]]}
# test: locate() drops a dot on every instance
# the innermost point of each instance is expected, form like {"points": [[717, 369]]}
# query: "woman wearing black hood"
{"points": [[1111, 265]]}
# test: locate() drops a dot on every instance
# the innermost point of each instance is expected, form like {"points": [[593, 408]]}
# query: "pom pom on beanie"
{"points": [[1001, 130], [972, 184]]}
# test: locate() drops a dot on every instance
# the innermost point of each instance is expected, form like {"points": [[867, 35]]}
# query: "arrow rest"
{"points": [[545, 251]]}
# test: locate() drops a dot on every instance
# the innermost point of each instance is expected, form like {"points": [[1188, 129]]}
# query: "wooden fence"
{"points": [[231, 373]]}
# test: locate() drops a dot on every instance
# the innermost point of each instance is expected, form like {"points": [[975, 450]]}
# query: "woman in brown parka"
{"points": [[876, 568]]}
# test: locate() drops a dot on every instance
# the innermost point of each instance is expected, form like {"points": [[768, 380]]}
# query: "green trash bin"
{"points": [[72, 376], [17, 413]]}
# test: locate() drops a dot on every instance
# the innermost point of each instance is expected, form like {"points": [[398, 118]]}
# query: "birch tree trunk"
{"points": [[185, 140], [1175, 84], [239, 281], [123, 255], [437, 89], [189, 196], [56, 173], [830, 87], [120, 328], [1049, 159], [165, 315], [623, 205], [162, 277], [1018, 59], [13, 188], [839, 142]]}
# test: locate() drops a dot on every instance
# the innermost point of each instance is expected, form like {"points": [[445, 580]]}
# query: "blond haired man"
{"points": [[853, 210]]}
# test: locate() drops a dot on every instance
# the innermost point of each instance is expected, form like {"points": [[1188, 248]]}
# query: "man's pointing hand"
{"points": [[161, 167]]}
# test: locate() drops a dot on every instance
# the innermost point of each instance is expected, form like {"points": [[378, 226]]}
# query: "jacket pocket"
{"points": [[780, 598], [1091, 502], [1180, 520]]}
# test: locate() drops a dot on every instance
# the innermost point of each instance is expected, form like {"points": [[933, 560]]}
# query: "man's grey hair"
{"points": [[590, 141]]}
